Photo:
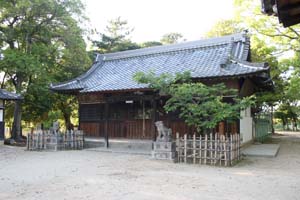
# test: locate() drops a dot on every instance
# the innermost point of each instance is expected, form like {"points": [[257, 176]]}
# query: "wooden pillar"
{"points": [[222, 128], [144, 128], [154, 118], [234, 128], [106, 110], [79, 117], [2, 122]]}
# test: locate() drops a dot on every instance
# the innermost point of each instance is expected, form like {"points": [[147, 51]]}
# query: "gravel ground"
{"points": [[99, 175]]}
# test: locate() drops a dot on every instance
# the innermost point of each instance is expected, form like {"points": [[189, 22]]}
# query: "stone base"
{"points": [[163, 155], [163, 150]]}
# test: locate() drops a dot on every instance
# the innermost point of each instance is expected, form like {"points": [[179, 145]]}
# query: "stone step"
{"points": [[121, 144]]}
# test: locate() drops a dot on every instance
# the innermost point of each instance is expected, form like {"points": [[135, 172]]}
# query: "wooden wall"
{"points": [[124, 120], [130, 129]]}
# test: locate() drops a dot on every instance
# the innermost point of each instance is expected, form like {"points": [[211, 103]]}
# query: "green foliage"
{"points": [[162, 82], [171, 38], [150, 44], [225, 27], [278, 46], [41, 42], [203, 106], [270, 42], [287, 112], [116, 37], [199, 105]]}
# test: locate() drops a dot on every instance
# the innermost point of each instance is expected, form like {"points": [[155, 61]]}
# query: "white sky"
{"points": [[153, 18]]}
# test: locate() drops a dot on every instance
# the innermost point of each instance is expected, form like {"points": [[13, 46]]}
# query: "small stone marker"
{"points": [[55, 126], [38, 127]]}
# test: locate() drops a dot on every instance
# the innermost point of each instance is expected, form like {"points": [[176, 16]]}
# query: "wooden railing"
{"points": [[49, 140], [212, 149]]}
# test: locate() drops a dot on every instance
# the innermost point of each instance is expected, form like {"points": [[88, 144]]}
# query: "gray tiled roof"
{"points": [[5, 95], [211, 58]]}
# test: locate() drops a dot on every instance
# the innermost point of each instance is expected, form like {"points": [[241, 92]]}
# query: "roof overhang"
{"points": [[5, 95], [288, 12]]}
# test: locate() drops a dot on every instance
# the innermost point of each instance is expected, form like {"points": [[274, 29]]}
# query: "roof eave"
{"points": [[66, 91], [118, 90]]}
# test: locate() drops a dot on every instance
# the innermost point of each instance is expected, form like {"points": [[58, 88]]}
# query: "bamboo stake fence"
{"points": [[49, 140], [212, 149]]}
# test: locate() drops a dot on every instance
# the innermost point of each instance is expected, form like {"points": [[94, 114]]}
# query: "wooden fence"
{"points": [[49, 140], [212, 149], [263, 127]]}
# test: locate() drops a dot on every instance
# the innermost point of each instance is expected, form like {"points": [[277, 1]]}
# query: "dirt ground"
{"points": [[99, 175]]}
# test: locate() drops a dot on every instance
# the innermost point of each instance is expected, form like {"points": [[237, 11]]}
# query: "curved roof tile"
{"points": [[211, 58]]}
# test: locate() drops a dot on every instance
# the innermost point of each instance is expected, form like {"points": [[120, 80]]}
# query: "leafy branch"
{"points": [[199, 105]]}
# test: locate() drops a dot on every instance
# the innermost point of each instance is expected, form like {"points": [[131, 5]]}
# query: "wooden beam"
{"points": [[118, 98], [154, 118], [106, 110]]}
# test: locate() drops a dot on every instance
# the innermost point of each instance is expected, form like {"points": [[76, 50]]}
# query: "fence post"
{"points": [[27, 141], [178, 146], [65, 140], [231, 149], [239, 144], [56, 140], [185, 147], [219, 149], [72, 140], [225, 148], [81, 139], [216, 149], [68, 140], [38, 140], [34, 141], [194, 148], [77, 139], [200, 149], [235, 146], [205, 149], [211, 148]]}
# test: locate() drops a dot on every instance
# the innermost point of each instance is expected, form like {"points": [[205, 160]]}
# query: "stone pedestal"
{"points": [[163, 150]]}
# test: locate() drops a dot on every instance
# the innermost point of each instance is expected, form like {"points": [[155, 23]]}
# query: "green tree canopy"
{"points": [[116, 37], [40, 43], [225, 27], [199, 105], [171, 38]]}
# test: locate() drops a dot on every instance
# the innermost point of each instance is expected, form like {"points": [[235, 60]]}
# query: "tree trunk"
{"points": [[16, 132], [67, 118], [272, 122]]}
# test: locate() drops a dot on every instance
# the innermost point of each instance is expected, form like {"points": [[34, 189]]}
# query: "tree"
{"points": [[171, 38], [225, 27], [116, 37], [285, 42], [260, 52], [199, 105], [150, 44], [35, 40]]}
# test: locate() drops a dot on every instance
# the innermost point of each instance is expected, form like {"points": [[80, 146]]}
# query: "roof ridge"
{"points": [[174, 47], [79, 78]]}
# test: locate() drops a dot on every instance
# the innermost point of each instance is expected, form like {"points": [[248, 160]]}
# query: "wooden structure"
{"points": [[6, 96], [48, 140], [288, 11], [212, 149], [113, 105]]}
